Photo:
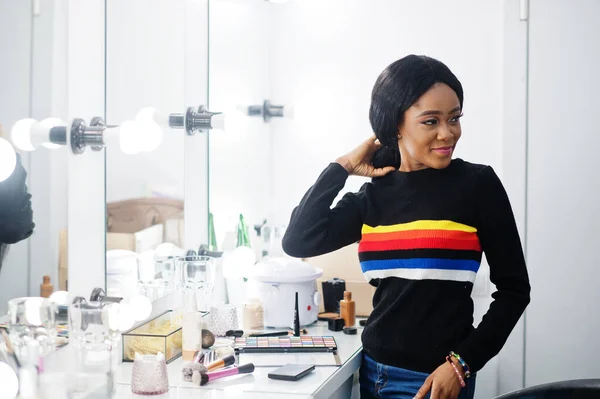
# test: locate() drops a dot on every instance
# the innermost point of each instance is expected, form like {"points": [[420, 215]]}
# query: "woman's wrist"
{"points": [[457, 370], [345, 162], [459, 367]]}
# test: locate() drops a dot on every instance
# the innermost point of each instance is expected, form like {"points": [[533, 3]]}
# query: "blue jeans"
{"points": [[380, 381]]}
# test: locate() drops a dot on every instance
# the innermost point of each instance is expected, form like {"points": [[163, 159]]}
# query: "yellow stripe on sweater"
{"points": [[420, 225]]}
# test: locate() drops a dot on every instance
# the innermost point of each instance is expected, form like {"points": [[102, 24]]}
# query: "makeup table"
{"points": [[324, 382]]}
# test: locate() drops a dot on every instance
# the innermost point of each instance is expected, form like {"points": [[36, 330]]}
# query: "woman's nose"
{"points": [[445, 132]]}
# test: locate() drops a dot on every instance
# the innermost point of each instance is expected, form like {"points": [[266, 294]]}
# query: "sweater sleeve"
{"points": [[501, 244], [16, 215], [314, 228]]}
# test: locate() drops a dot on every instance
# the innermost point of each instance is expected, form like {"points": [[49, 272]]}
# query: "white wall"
{"points": [[240, 164], [563, 321], [325, 62], [145, 67]]}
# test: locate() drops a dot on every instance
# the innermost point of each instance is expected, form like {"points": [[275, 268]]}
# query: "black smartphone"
{"points": [[291, 372]]}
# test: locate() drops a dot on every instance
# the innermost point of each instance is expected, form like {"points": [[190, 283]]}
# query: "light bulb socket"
{"points": [[88, 318], [266, 110], [98, 121], [83, 136], [193, 121], [177, 121], [99, 295], [271, 111]]}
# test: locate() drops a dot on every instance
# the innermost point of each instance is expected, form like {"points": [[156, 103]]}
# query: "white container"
{"points": [[278, 281]]}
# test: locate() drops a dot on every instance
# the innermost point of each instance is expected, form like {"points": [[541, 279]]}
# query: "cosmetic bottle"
{"points": [[46, 288], [191, 327], [348, 309], [253, 315]]}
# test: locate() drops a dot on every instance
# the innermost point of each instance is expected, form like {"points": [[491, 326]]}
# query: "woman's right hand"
{"points": [[358, 161]]}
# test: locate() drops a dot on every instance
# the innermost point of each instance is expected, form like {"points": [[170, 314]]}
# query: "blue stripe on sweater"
{"points": [[420, 263]]}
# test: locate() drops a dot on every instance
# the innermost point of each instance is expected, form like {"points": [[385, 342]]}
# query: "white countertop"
{"points": [[321, 383]]}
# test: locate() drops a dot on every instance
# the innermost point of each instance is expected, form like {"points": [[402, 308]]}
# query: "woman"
{"points": [[16, 216], [422, 223]]}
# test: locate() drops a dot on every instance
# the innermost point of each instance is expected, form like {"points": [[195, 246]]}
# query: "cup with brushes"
{"points": [[201, 370]]}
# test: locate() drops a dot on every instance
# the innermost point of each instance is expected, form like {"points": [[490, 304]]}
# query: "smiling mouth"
{"points": [[445, 151]]}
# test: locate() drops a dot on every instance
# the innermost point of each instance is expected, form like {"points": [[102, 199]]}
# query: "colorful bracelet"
{"points": [[460, 379], [464, 364]]}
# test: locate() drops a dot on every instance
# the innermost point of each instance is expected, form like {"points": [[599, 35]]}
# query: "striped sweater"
{"points": [[421, 238]]}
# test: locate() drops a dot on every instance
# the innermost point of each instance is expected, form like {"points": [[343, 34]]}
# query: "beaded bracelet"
{"points": [[460, 379], [464, 364]]}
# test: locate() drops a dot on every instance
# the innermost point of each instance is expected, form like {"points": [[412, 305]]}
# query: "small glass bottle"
{"points": [[348, 309], [46, 288]]}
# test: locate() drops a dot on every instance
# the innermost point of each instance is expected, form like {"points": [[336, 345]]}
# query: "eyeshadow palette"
{"points": [[306, 343]]}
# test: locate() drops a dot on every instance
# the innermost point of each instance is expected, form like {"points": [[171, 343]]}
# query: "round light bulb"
{"points": [[151, 123], [218, 121], [238, 262], [21, 134], [49, 123], [60, 297], [10, 382], [151, 135], [8, 159], [126, 317], [166, 249], [129, 137], [142, 307]]}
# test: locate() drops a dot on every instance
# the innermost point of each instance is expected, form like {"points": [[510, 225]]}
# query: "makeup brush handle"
{"points": [[217, 364], [244, 369]]}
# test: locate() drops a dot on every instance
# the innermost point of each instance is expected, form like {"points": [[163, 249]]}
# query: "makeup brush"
{"points": [[215, 375], [187, 372], [219, 364], [10, 348]]}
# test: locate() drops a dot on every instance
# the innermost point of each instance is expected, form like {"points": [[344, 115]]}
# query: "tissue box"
{"points": [[157, 335]]}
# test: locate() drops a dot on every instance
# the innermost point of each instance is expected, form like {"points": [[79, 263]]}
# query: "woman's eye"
{"points": [[456, 118], [429, 122]]}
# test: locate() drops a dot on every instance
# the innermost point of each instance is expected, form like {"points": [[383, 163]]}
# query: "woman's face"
{"points": [[430, 130]]}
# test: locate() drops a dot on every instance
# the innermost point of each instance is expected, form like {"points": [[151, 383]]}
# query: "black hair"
{"points": [[16, 215], [397, 88]]}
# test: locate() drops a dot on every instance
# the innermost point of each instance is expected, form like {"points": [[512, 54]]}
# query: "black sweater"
{"points": [[421, 237], [16, 216]]}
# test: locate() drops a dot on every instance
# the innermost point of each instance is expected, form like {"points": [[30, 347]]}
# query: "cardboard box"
{"points": [[344, 264], [139, 242]]}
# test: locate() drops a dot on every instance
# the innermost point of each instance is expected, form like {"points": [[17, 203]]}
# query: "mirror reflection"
{"points": [[156, 164], [33, 184]]}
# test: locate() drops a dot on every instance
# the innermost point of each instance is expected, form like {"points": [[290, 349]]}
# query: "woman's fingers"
{"points": [[424, 389], [382, 171]]}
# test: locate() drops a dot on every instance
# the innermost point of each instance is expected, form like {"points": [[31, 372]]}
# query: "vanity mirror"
{"points": [[33, 184], [156, 172]]}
